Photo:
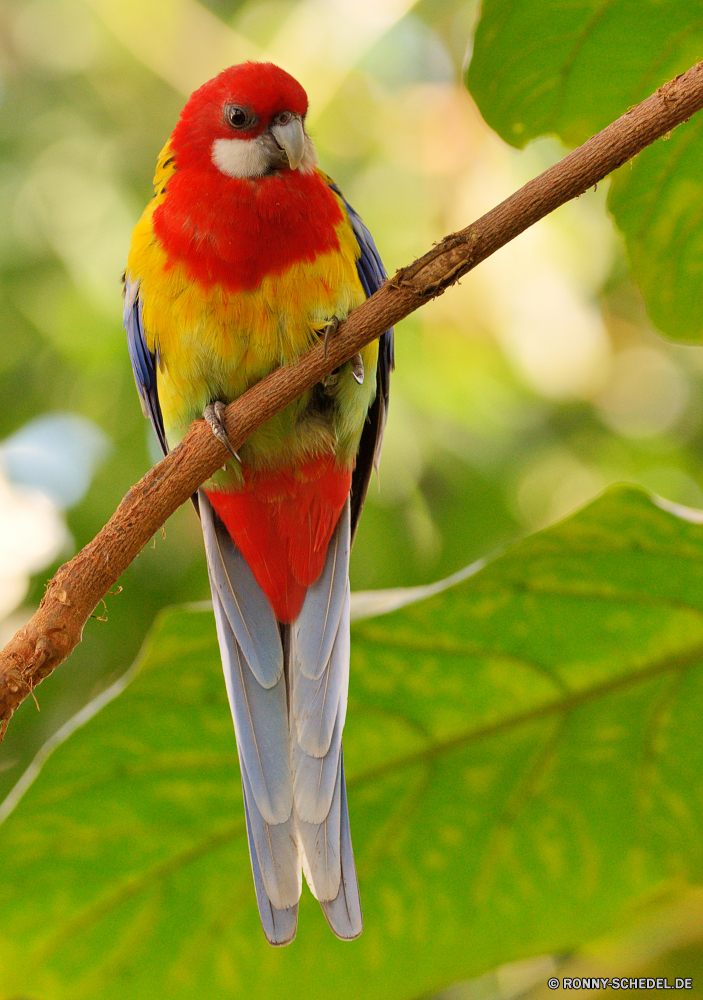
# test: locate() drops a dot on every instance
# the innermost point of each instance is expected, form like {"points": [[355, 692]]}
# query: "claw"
{"points": [[329, 330], [358, 368], [213, 416]]}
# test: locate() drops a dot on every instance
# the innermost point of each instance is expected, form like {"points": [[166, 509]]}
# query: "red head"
{"points": [[244, 199], [246, 122]]}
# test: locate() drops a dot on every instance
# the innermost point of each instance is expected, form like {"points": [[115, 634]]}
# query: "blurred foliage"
{"points": [[79, 130], [571, 69], [522, 753], [518, 396]]}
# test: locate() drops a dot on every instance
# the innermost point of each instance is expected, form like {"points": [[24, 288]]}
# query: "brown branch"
{"points": [[80, 584]]}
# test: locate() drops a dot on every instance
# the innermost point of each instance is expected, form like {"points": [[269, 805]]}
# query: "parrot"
{"points": [[246, 256]]}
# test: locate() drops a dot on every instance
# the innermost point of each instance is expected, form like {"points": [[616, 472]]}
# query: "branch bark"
{"points": [[80, 584]]}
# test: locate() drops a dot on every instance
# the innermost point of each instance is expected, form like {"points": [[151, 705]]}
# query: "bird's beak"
{"points": [[291, 138]]}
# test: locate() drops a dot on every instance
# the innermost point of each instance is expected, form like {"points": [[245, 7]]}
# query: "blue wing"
{"points": [[144, 361], [372, 274]]}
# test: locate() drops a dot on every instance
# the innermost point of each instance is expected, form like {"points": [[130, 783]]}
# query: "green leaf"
{"points": [[657, 202], [545, 67], [523, 752]]}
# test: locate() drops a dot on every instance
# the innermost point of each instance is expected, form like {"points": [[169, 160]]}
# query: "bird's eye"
{"points": [[238, 117], [283, 118]]}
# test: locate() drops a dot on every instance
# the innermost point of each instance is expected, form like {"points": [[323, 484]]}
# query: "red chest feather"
{"points": [[234, 232]]}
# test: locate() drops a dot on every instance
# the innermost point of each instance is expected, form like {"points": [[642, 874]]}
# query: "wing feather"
{"points": [[144, 361], [372, 274]]}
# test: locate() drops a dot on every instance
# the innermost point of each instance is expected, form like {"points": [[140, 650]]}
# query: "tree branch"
{"points": [[80, 584]]}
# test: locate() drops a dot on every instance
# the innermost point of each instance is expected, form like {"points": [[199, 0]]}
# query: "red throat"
{"points": [[282, 523], [233, 232]]}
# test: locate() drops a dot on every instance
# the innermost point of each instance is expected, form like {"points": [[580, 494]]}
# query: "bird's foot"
{"points": [[213, 416], [358, 368], [357, 363], [330, 330], [329, 382]]}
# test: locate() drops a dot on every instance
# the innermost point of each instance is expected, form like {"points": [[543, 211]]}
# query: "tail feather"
{"points": [[245, 604], [316, 704], [322, 630], [344, 912], [318, 710], [276, 847], [260, 713], [279, 925], [315, 778], [317, 624], [320, 843], [262, 731]]}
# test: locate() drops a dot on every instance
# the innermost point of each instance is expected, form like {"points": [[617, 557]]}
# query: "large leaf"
{"points": [[568, 69], [524, 752]]}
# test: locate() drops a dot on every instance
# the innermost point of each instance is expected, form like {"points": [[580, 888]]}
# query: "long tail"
{"points": [[287, 688]]}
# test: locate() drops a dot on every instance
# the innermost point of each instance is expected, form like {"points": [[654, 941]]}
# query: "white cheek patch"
{"points": [[250, 158], [240, 157]]}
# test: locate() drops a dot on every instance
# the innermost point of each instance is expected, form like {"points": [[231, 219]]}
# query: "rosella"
{"points": [[244, 257]]}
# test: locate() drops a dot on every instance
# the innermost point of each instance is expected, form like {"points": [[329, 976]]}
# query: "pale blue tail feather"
{"points": [[260, 721], [318, 710], [314, 778], [315, 704], [277, 851], [344, 911], [320, 844], [260, 713], [320, 648], [279, 925], [316, 627], [289, 723]]}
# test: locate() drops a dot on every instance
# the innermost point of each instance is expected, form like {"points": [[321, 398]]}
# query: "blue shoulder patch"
{"points": [[143, 360]]}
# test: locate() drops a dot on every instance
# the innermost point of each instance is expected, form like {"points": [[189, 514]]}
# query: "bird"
{"points": [[246, 256]]}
